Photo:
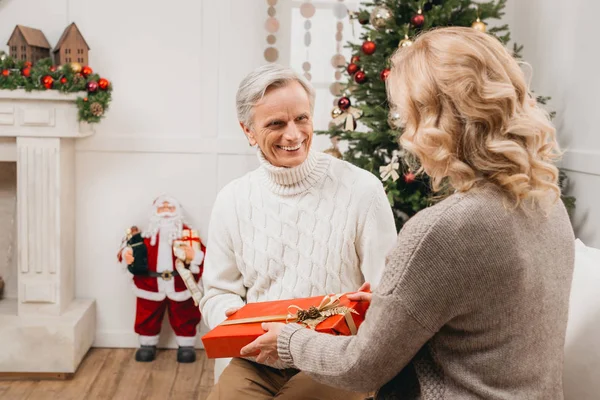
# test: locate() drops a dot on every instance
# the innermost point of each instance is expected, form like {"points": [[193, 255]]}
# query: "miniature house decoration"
{"points": [[71, 47], [28, 44]]}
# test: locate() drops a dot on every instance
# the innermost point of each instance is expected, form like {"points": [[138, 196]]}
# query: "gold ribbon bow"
{"points": [[330, 306], [390, 170]]}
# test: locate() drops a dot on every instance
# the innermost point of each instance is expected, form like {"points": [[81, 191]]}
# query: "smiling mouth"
{"points": [[290, 148]]}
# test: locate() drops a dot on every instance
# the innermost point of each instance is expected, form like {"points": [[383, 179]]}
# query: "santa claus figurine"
{"points": [[166, 262]]}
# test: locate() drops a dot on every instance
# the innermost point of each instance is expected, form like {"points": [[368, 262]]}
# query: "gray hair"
{"points": [[255, 84]]}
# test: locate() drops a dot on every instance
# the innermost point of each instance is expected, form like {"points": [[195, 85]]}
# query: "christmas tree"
{"points": [[389, 24]]}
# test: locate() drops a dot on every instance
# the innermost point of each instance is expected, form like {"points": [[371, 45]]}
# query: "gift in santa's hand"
{"points": [[333, 314]]}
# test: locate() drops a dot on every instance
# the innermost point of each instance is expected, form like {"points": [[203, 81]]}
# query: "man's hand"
{"points": [[363, 294], [230, 311], [266, 344], [129, 256], [189, 253]]}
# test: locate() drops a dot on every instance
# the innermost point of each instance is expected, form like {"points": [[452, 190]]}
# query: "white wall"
{"points": [[560, 44]]}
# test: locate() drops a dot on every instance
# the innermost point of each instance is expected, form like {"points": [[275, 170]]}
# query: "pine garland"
{"points": [[22, 75]]}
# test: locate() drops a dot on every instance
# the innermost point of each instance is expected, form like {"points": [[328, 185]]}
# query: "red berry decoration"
{"points": [[352, 68], [344, 103], [92, 86], [368, 47], [418, 20], [360, 77], [63, 80], [5, 72], [85, 99], [86, 71], [384, 74], [355, 59], [103, 84], [47, 81], [53, 69], [26, 72], [27, 64], [409, 177]]}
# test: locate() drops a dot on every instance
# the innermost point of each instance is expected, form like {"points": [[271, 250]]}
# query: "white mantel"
{"points": [[46, 329]]}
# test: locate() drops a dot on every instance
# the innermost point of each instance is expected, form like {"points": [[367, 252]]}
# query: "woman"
{"points": [[303, 224], [473, 301]]}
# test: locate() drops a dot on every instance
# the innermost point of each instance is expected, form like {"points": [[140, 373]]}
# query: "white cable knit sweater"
{"points": [[279, 233]]}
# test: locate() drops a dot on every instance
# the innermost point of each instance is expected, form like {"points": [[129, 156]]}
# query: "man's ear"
{"points": [[249, 134]]}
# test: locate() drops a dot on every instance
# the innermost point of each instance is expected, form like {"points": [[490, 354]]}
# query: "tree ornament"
{"points": [[92, 86], [352, 68], [85, 99], [355, 59], [409, 177], [96, 109], [406, 42], [47, 81], [86, 71], [390, 171], [384, 74], [360, 77], [344, 103], [103, 83], [347, 119], [5, 72], [76, 67], [63, 80], [368, 47], [334, 151], [394, 120], [53, 69], [479, 25], [26, 72], [418, 20], [380, 17], [27, 64], [336, 112]]}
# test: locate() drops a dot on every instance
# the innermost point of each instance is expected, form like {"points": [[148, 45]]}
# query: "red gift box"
{"points": [[337, 316]]}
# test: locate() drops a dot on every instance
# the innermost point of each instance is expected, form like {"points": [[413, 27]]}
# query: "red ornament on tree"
{"points": [[47, 81], [26, 72], [360, 77], [409, 177], [344, 103], [5, 72], [92, 86], [103, 84], [355, 59], [368, 47], [352, 68], [85, 99], [418, 20], [384, 74], [63, 80], [86, 71], [27, 64], [53, 69]]}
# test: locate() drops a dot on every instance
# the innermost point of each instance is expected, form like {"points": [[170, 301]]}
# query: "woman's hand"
{"points": [[265, 344], [363, 294]]}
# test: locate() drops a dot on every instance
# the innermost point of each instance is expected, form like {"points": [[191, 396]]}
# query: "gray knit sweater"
{"points": [[472, 305]]}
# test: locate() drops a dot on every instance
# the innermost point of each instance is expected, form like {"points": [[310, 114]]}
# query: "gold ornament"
{"points": [[394, 120], [406, 42], [380, 17], [96, 109], [336, 112], [478, 25], [76, 67]]}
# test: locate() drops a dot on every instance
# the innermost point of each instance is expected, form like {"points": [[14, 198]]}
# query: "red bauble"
{"points": [[409, 177], [27, 64], [418, 20], [86, 71], [26, 72], [363, 21], [352, 68], [63, 80], [103, 84], [47, 81], [384, 74], [368, 47], [5, 72], [53, 69], [85, 99], [360, 77], [355, 59], [344, 103], [92, 86]]}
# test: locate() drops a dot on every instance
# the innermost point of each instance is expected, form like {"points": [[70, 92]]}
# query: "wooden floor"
{"points": [[114, 374]]}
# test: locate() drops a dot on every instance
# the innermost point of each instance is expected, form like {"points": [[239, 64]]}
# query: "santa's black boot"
{"points": [[186, 354], [145, 354]]}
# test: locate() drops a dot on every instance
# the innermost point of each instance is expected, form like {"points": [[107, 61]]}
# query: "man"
{"points": [[157, 282]]}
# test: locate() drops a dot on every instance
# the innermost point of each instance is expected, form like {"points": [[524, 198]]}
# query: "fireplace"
{"points": [[44, 328]]}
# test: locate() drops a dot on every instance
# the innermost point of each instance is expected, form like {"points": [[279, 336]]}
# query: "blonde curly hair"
{"points": [[469, 117]]}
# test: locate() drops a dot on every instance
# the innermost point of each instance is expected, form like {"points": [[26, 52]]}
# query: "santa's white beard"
{"points": [[167, 225]]}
